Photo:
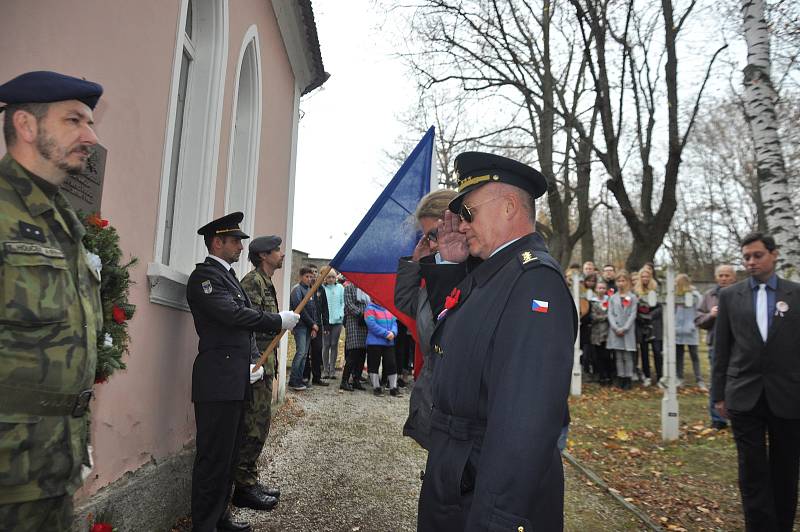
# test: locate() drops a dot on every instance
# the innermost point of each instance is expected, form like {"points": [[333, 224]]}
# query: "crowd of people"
{"points": [[622, 325], [373, 336]]}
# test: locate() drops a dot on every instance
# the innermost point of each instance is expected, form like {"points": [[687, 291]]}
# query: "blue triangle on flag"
{"points": [[388, 231]]}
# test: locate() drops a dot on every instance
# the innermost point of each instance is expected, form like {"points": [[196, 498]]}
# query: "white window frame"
{"points": [[199, 153], [252, 138]]}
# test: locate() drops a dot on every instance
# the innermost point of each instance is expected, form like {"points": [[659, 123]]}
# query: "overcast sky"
{"points": [[347, 126]]}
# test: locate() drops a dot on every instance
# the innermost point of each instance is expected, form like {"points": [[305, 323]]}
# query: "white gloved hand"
{"points": [[255, 377], [288, 319]]}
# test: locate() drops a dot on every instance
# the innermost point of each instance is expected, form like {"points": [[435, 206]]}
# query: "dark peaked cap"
{"points": [[474, 169], [43, 86], [228, 225]]}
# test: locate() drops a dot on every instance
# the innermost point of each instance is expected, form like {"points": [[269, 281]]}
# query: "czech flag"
{"points": [[389, 231], [540, 306]]}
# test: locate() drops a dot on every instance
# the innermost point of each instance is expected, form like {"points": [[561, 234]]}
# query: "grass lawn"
{"points": [[689, 484]]}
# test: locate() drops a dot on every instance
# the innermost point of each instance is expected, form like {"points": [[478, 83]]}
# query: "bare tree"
{"points": [[454, 134], [523, 59], [634, 70], [759, 102]]}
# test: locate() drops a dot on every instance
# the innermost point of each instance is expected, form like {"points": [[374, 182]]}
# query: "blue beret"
{"points": [[474, 169], [43, 87]]}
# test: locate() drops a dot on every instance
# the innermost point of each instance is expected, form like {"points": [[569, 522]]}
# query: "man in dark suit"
{"points": [[503, 343], [225, 321], [756, 384]]}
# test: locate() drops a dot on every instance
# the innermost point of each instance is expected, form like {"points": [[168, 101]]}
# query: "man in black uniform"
{"points": [[225, 321], [504, 343]]}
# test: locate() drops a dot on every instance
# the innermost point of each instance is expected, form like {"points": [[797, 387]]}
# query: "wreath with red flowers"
{"points": [[102, 240]]}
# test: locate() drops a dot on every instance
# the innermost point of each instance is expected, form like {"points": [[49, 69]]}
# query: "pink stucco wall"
{"points": [[145, 412]]}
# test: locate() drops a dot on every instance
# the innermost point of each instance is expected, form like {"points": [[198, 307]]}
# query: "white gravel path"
{"points": [[341, 463]]}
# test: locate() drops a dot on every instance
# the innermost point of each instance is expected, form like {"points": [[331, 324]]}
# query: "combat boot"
{"points": [[252, 497]]}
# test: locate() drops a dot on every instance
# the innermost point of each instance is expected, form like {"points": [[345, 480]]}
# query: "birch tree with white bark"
{"points": [[760, 98]]}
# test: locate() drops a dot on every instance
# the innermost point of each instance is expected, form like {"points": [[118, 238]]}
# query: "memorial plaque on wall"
{"points": [[85, 190]]}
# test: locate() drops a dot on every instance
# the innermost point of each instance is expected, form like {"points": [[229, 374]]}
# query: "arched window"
{"points": [[191, 146], [193, 127], [240, 192]]}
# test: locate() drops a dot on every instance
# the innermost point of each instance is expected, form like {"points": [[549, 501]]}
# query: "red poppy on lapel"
{"points": [[452, 300]]}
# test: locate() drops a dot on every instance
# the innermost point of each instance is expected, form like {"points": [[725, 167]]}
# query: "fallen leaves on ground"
{"points": [[688, 484]]}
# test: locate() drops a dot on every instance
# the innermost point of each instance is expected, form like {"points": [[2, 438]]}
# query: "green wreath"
{"points": [[102, 240]]}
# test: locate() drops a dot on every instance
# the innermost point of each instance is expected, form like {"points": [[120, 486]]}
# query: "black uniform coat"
{"points": [[225, 322], [500, 390]]}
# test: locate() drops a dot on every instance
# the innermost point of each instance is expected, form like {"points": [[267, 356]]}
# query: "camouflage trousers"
{"points": [[257, 415], [44, 515]]}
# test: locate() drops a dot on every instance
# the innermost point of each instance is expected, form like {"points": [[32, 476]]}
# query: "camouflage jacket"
{"points": [[261, 291], [49, 319]]}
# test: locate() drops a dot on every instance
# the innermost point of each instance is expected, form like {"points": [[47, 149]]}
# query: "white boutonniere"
{"points": [[94, 262], [780, 308]]}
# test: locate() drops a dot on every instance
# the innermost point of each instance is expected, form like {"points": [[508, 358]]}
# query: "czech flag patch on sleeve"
{"points": [[540, 306]]}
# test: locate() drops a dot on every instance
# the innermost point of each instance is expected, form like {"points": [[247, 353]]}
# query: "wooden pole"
{"points": [[298, 310]]}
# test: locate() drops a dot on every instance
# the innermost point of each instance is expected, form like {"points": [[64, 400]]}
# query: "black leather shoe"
{"points": [[320, 382], [227, 523], [251, 497], [358, 386], [269, 492], [346, 386]]}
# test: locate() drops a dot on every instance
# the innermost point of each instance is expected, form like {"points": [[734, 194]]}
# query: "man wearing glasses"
{"points": [[504, 336]]}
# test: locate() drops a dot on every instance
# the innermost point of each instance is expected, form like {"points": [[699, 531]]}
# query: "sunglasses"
{"points": [[466, 211], [432, 235]]}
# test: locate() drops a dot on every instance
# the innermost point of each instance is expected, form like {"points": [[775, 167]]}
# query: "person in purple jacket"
{"points": [[381, 331]]}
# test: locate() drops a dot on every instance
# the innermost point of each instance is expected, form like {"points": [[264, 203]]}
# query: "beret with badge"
{"points": [[228, 225], [44, 87], [474, 169]]}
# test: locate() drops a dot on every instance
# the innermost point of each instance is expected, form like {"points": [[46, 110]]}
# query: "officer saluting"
{"points": [[50, 311], [503, 341], [225, 321]]}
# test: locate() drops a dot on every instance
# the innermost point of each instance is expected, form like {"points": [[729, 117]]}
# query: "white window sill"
{"points": [[167, 286]]}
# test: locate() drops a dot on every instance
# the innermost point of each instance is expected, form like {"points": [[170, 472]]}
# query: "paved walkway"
{"points": [[343, 465]]}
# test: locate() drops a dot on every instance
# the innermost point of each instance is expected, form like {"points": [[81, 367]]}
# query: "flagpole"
{"points": [[298, 310]]}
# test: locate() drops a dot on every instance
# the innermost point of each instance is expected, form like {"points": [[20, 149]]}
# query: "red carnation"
{"points": [[96, 221], [452, 300], [102, 527], [118, 314]]}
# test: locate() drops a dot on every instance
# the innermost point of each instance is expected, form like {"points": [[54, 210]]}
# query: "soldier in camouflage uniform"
{"points": [[50, 295], [266, 256]]}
